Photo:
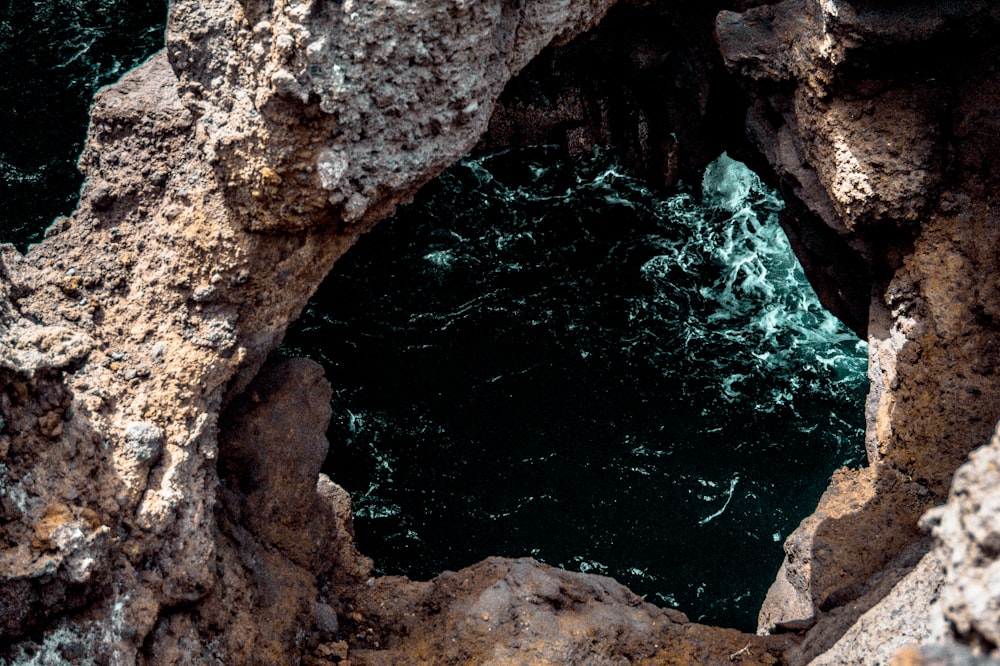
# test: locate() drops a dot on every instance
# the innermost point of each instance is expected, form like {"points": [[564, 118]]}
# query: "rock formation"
{"points": [[648, 80], [874, 118], [160, 500], [142, 522]]}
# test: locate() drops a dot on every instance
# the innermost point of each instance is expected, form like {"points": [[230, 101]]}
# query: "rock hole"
{"points": [[550, 359]]}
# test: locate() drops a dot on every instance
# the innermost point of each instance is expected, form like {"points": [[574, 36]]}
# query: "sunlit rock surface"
{"points": [[876, 118], [967, 529], [124, 329], [504, 611], [130, 328], [343, 108]]}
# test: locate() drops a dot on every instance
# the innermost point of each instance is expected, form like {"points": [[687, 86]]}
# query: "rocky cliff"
{"points": [[160, 495], [875, 118]]}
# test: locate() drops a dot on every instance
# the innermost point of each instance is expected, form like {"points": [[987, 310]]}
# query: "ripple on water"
{"points": [[56, 54], [559, 362]]}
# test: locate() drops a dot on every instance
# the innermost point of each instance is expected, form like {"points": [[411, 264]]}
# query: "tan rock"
{"points": [[227, 174], [503, 611], [862, 145]]}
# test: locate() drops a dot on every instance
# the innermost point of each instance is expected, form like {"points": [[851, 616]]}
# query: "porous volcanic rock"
{"points": [[503, 611], [967, 529], [158, 504], [879, 121], [223, 178], [321, 111]]}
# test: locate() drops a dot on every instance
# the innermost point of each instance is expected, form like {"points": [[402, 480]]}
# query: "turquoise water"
{"points": [[550, 359]]}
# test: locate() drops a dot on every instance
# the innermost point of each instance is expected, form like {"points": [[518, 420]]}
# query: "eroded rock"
{"points": [[337, 111], [227, 174], [863, 110], [967, 528], [504, 611]]}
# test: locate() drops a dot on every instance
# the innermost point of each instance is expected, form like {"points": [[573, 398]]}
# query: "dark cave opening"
{"points": [[673, 109], [548, 358]]}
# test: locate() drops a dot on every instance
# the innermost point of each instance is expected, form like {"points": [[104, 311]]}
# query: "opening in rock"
{"points": [[549, 359]]}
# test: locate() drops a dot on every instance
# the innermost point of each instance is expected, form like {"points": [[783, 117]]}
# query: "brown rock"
{"points": [[226, 175], [308, 124], [859, 139], [503, 611]]}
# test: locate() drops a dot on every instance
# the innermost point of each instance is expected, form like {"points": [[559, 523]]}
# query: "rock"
{"points": [[270, 453], [124, 335], [102, 197], [860, 141], [647, 83], [821, 571], [867, 633], [940, 655], [154, 510], [967, 528], [326, 620], [277, 528], [351, 109], [504, 611]]}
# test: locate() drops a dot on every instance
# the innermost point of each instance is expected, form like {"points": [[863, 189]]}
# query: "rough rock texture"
{"points": [[903, 615], [648, 83], [126, 332], [875, 118], [940, 655], [160, 500], [968, 530], [337, 111], [282, 529], [963, 626], [503, 611]]}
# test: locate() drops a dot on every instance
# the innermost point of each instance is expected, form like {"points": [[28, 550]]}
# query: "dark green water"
{"points": [[548, 359], [535, 358], [54, 55]]}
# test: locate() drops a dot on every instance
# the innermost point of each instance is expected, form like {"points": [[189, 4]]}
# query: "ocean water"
{"points": [[55, 54], [549, 359], [535, 358]]}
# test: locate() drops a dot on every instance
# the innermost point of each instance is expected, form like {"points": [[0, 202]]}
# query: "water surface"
{"points": [[55, 55], [550, 359]]}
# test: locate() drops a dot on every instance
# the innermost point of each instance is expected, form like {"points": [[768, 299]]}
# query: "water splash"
{"points": [[749, 324], [560, 362]]}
